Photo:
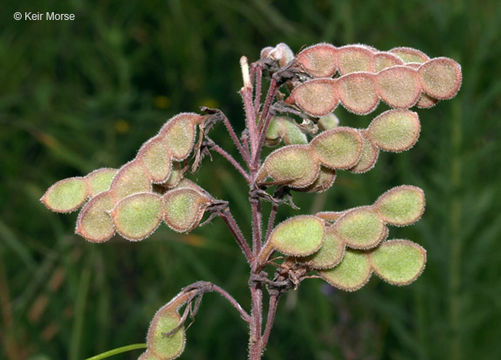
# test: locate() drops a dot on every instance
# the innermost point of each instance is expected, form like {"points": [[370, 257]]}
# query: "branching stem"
{"points": [[231, 160]]}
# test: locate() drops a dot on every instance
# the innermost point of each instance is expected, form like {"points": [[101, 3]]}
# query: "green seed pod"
{"points": [[440, 78], [409, 55], [94, 223], [383, 60], [370, 153], [100, 180], [300, 235], [66, 195], [179, 134], [156, 159], [184, 208], [176, 175], [284, 128], [395, 130], [339, 148], [147, 355], [330, 254], [323, 182], [399, 262], [398, 86], [131, 178], [361, 228], [319, 60], [316, 97], [329, 121], [401, 205], [159, 344], [354, 58], [293, 164], [357, 92], [353, 272], [138, 215]]}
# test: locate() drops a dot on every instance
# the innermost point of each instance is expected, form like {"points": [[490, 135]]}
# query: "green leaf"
{"points": [[401, 205], [398, 262], [395, 130], [131, 178], [298, 236], [66, 195], [184, 208], [100, 180], [179, 134], [361, 228], [339, 148], [159, 344], [156, 159], [440, 78], [94, 223], [351, 274], [293, 164], [138, 215], [330, 254]]}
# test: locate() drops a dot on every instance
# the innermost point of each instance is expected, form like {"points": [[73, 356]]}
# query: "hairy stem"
{"points": [[272, 309], [237, 234], [231, 160], [243, 151], [265, 119]]}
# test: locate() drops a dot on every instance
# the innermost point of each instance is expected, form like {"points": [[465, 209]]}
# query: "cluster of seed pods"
{"points": [[312, 167], [401, 77], [346, 247], [134, 199]]}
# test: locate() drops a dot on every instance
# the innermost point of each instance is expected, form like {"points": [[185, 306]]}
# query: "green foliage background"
{"points": [[75, 96]]}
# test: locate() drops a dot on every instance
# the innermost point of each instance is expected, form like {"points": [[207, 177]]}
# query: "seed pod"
{"points": [[361, 228], [425, 101], [339, 148], [319, 60], [399, 262], [147, 355], [353, 272], [176, 175], [179, 134], [293, 164], [409, 55], [184, 208], [330, 254], [66, 195], [398, 86], [324, 181], [131, 178], [94, 222], [401, 205], [329, 215], [354, 58], [99, 180], [357, 92], [316, 97], [156, 158], [370, 153], [284, 128], [329, 121], [395, 130], [137, 216], [300, 235], [440, 78], [383, 60], [159, 344]]}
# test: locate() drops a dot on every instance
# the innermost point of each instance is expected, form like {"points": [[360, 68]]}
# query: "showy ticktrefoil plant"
{"points": [[344, 248]]}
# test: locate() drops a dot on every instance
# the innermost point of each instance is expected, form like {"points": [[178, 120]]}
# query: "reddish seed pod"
{"points": [[440, 78], [383, 60], [408, 54], [357, 92], [316, 97], [355, 58], [319, 60], [398, 86]]}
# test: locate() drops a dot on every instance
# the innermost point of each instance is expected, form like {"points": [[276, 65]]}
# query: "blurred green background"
{"points": [[83, 94]]}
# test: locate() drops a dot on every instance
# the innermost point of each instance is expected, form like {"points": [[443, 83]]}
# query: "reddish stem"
{"points": [[237, 234], [231, 160], [243, 151], [272, 310]]}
